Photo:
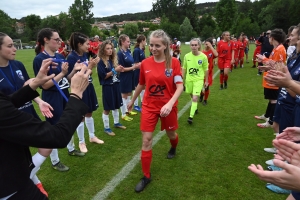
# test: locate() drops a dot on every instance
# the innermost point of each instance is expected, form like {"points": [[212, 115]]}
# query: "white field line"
{"points": [[116, 180]]}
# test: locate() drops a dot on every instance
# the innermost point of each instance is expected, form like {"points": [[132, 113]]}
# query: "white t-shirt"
{"points": [[290, 50]]}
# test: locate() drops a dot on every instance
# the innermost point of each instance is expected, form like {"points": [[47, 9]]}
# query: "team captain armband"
{"points": [[178, 79]]}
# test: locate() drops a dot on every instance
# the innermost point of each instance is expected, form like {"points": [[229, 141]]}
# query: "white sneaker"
{"points": [[264, 125], [270, 162], [262, 117], [270, 150]]}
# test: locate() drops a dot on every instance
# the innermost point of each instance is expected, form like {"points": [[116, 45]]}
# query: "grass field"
{"points": [[212, 157]]}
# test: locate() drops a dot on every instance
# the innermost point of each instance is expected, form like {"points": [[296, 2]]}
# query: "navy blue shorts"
{"points": [[246, 50], [89, 97], [283, 115], [136, 77], [58, 103], [126, 82], [296, 195], [111, 97]]}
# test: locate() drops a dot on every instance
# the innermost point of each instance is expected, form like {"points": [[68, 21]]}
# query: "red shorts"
{"points": [[224, 63], [210, 77], [242, 54], [149, 119], [257, 51]]}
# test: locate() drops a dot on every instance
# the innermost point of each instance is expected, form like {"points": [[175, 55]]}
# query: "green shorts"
{"points": [[194, 87]]}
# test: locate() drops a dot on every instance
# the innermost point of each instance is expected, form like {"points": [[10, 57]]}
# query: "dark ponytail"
{"points": [[44, 33]]}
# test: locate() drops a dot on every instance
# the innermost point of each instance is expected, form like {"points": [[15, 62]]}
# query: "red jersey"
{"points": [[160, 85], [95, 47], [210, 57], [90, 44], [236, 48], [225, 49]]}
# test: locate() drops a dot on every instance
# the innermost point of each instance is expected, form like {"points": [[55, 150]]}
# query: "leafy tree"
{"points": [[250, 29], [81, 17], [186, 30], [63, 26], [172, 29], [33, 24], [131, 30], [51, 22], [225, 12], [207, 31], [7, 24], [203, 23], [187, 8], [167, 8]]}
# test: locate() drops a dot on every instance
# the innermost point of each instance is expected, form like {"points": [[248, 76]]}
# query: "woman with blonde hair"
{"points": [[108, 69], [161, 78]]}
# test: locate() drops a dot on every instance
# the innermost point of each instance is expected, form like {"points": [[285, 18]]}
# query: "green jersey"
{"points": [[195, 66]]}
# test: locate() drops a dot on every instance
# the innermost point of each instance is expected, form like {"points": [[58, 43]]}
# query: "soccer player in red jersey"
{"points": [[161, 78], [236, 49], [211, 54], [256, 51], [241, 51], [226, 58]]}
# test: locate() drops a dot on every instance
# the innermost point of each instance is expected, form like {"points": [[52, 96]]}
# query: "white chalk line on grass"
{"points": [[116, 180]]}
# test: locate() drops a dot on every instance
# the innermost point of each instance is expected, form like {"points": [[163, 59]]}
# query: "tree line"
{"points": [[183, 19]]}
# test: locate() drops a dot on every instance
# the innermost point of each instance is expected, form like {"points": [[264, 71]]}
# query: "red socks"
{"points": [[221, 78], [174, 142], [146, 158], [206, 94], [241, 62]]}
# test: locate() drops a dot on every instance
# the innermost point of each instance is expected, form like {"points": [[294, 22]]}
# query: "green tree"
{"points": [[81, 17], [225, 12], [33, 24], [131, 30], [7, 24], [203, 23], [172, 29], [186, 30], [167, 8], [187, 8], [207, 31], [250, 29]]}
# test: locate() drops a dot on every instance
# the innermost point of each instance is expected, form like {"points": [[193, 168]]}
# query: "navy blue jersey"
{"points": [[73, 57], [295, 73], [89, 96], [138, 55], [294, 68], [102, 70], [12, 78], [37, 63], [126, 78], [52, 95]]}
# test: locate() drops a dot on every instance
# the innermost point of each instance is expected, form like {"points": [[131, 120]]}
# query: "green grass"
{"points": [[212, 156]]}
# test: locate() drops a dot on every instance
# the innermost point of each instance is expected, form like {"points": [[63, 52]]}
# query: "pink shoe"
{"points": [[96, 140], [82, 147], [41, 188]]}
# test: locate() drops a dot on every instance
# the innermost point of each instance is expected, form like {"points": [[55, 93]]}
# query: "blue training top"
{"points": [[102, 72], [12, 78], [37, 63]]}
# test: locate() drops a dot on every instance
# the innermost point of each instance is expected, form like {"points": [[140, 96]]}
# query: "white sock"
{"points": [[105, 119], [54, 156], [35, 180], [80, 132], [89, 122], [136, 102], [116, 116], [142, 95], [71, 146], [37, 160], [124, 107]]}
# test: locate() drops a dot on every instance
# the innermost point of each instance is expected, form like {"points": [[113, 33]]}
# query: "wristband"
{"points": [[75, 96], [114, 71]]}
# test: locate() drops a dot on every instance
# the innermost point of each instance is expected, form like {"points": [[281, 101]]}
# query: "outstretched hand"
{"points": [[42, 77]]}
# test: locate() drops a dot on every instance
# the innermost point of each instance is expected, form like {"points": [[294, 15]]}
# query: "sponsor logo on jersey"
{"points": [[20, 75], [193, 71], [297, 71], [224, 52], [157, 90], [210, 55]]}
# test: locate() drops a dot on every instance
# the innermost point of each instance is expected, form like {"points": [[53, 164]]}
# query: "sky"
{"points": [[102, 8]]}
